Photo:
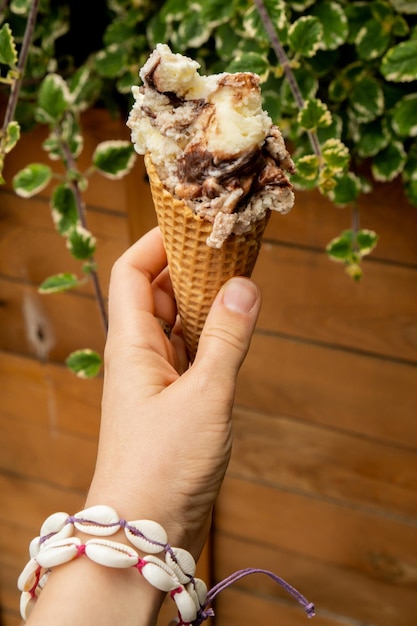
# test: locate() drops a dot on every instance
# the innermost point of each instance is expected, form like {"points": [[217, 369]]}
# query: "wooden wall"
{"points": [[322, 484]]}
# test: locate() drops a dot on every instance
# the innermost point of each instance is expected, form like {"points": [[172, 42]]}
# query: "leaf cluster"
{"points": [[338, 76]]}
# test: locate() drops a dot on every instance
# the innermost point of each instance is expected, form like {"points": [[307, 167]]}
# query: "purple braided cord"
{"points": [[203, 614]]}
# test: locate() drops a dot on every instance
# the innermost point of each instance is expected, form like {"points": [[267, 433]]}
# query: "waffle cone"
{"points": [[197, 270]]}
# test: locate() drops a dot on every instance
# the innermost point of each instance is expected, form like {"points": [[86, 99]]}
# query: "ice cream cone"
{"points": [[197, 270]]}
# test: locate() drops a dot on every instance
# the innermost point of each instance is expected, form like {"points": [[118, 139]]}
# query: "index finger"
{"points": [[130, 290]]}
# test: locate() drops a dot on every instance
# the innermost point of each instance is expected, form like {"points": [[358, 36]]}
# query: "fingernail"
{"points": [[240, 295]]}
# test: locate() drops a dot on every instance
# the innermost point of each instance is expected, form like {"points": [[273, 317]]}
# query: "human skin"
{"points": [[165, 436]]}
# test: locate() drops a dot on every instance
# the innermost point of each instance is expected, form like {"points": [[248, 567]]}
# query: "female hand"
{"points": [[166, 430]]}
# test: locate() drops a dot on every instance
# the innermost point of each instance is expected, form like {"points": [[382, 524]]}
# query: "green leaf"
{"points": [[340, 248], [81, 243], [334, 23], [253, 25], [399, 63], [32, 179], [404, 117], [372, 41], [314, 114], [227, 41], [372, 138], [84, 363], [191, 32], [64, 209], [8, 52], [114, 158], [12, 136], [390, 162], [350, 247], [341, 87], [53, 100], [305, 35], [58, 283], [336, 155], [367, 99], [405, 6], [307, 167], [346, 189], [409, 172], [20, 7], [112, 61], [250, 62], [410, 189], [366, 241]]}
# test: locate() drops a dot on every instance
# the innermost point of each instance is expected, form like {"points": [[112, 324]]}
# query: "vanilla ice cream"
{"points": [[211, 142]]}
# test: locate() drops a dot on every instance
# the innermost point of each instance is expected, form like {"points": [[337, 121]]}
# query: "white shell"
{"points": [[102, 520], [111, 553], [58, 552], [149, 531], [27, 602], [34, 547], [185, 604], [55, 523], [28, 575], [182, 562], [158, 574], [200, 589]]}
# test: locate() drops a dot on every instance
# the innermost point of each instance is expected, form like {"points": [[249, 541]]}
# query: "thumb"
{"points": [[229, 327]]}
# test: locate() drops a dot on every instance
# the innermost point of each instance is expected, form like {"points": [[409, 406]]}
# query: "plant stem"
{"points": [[285, 63], [23, 55], [82, 214]]}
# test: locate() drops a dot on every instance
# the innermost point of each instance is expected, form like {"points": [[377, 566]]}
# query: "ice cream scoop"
{"points": [[211, 142]]}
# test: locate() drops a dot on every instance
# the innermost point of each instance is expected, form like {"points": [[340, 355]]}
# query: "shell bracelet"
{"points": [[173, 574]]}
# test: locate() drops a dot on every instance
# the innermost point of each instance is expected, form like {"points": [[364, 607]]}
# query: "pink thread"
{"points": [[81, 549], [175, 591], [140, 565], [32, 591]]}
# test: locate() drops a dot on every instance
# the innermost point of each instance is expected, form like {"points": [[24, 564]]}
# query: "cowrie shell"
{"points": [[152, 537], [111, 553], [58, 552], [182, 562], [185, 605], [27, 602], [29, 575], [97, 520], [55, 523], [158, 574], [200, 589], [34, 547]]}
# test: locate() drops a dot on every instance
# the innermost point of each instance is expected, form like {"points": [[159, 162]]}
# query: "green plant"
{"points": [[338, 76]]}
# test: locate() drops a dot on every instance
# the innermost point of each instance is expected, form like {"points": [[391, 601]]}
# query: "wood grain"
{"points": [[322, 462], [307, 297], [345, 537], [349, 392]]}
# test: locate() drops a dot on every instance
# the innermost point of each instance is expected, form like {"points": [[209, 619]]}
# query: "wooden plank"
{"points": [[306, 297], [358, 539], [340, 595], [47, 326], [49, 395], [31, 249], [46, 454], [348, 392], [24, 505], [314, 221], [305, 458]]}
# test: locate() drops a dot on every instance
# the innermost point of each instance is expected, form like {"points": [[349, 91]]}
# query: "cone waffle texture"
{"points": [[197, 270]]}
